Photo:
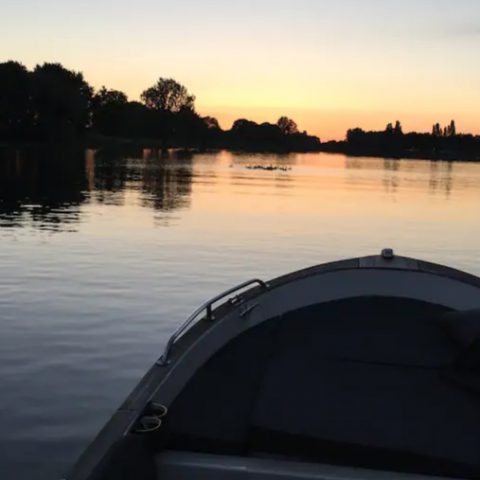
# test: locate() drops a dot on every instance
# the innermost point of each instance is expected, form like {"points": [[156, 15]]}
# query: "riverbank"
{"points": [[135, 146], [434, 154]]}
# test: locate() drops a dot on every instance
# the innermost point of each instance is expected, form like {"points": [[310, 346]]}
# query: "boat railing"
{"points": [[208, 307]]}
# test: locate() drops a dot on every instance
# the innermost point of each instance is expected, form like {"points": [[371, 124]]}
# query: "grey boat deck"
{"points": [[370, 382], [172, 465]]}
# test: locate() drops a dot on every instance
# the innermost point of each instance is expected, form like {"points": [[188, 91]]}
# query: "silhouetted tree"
{"points": [[189, 129], [166, 99], [355, 135], [437, 130], [109, 112], [398, 128], [61, 100], [211, 122], [214, 136], [15, 108], [106, 97], [167, 95], [451, 129], [138, 120], [248, 135], [242, 124], [287, 126]]}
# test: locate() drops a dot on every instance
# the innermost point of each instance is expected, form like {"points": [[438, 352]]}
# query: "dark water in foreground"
{"points": [[100, 260]]}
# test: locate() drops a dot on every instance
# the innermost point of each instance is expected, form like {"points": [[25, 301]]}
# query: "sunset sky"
{"points": [[328, 64]]}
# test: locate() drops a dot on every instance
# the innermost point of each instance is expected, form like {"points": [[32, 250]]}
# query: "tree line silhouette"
{"points": [[53, 103], [442, 143]]}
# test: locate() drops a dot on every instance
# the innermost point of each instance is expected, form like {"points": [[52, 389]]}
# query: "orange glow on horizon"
{"points": [[333, 124], [324, 102], [328, 65]]}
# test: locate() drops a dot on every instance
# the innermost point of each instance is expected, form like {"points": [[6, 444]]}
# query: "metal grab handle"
{"points": [[164, 359]]}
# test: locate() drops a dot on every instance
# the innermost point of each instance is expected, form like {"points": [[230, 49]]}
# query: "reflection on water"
{"points": [[103, 253], [47, 189], [42, 188], [403, 173], [163, 181]]}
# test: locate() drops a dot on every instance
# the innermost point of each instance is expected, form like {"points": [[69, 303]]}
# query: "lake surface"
{"points": [[102, 254]]}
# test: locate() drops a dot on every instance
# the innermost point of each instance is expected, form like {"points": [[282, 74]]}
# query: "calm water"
{"points": [[103, 254]]}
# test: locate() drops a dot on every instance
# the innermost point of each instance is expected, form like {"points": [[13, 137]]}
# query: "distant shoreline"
{"points": [[101, 141], [95, 141], [437, 155]]}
